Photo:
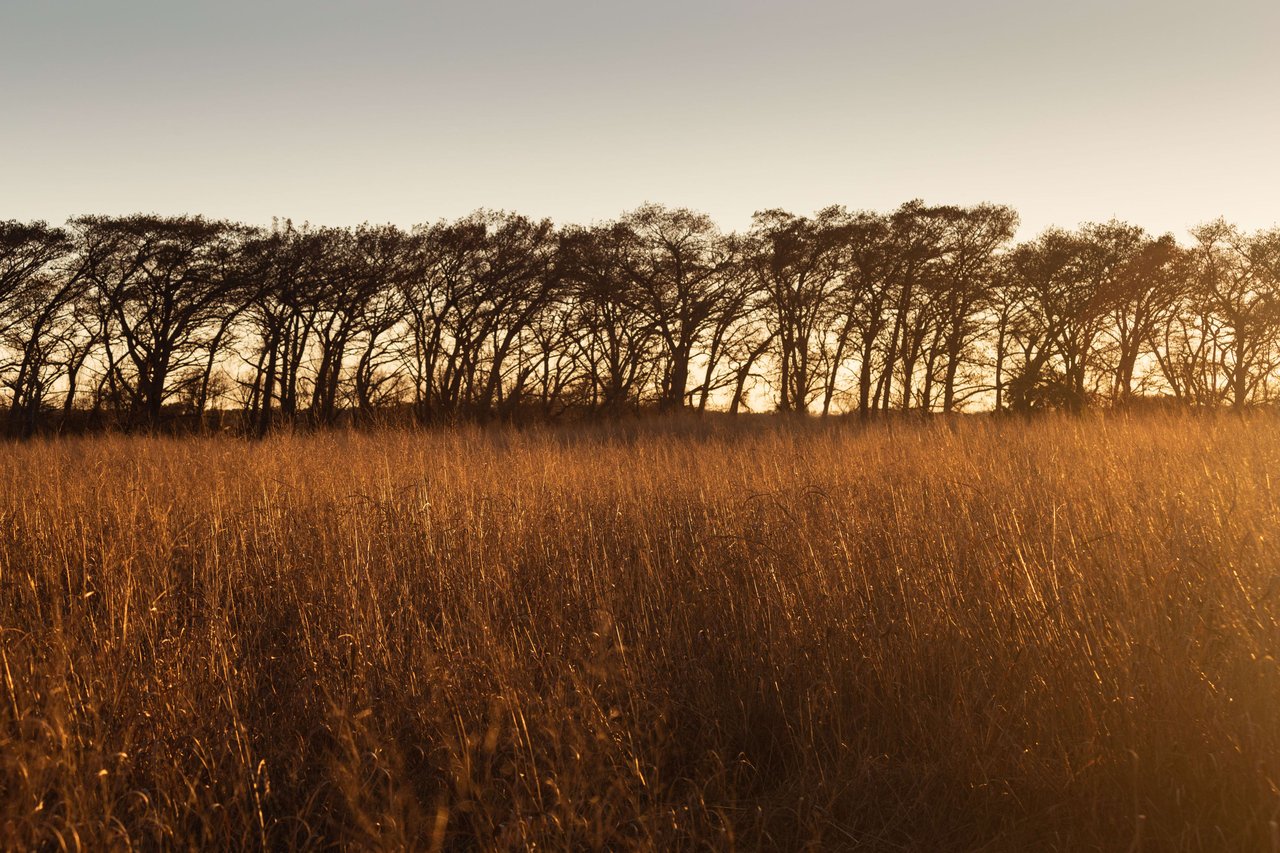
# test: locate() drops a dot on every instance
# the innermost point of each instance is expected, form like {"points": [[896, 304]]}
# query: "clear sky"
{"points": [[1163, 112]]}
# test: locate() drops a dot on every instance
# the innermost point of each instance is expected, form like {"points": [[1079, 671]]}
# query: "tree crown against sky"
{"points": [[928, 308]]}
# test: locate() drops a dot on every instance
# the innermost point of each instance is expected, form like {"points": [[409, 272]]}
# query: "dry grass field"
{"points": [[970, 635]]}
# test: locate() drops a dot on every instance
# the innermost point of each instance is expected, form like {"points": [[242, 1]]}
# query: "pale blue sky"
{"points": [[1164, 113]]}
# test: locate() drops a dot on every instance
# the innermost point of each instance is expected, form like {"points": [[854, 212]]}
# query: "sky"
{"points": [[1161, 112]]}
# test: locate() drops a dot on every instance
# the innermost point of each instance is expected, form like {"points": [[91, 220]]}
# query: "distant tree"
{"points": [[1062, 284], [796, 265], [40, 284], [520, 286], [872, 269], [382, 258], [358, 302], [966, 278], [731, 335], [284, 269], [166, 287], [1107, 265], [492, 315], [919, 235], [477, 287], [677, 262], [616, 335], [1237, 294], [550, 372], [1150, 284]]}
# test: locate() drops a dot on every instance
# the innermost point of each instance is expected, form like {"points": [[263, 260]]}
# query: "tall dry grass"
{"points": [[979, 635]]}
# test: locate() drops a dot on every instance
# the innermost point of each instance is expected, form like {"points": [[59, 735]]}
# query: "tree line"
{"points": [[135, 321]]}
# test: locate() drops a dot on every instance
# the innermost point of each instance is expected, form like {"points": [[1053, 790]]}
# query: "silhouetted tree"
{"points": [[167, 288], [616, 337], [872, 268], [966, 279], [1150, 284], [1237, 291], [40, 284], [677, 261], [1061, 284], [796, 265], [475, 290], [922, 308]]}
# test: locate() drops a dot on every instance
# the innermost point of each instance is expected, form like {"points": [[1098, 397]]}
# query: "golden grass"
{"points": [[952, 636]]}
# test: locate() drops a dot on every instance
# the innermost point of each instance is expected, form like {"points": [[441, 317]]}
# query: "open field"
{"points": [[979, 634]]}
